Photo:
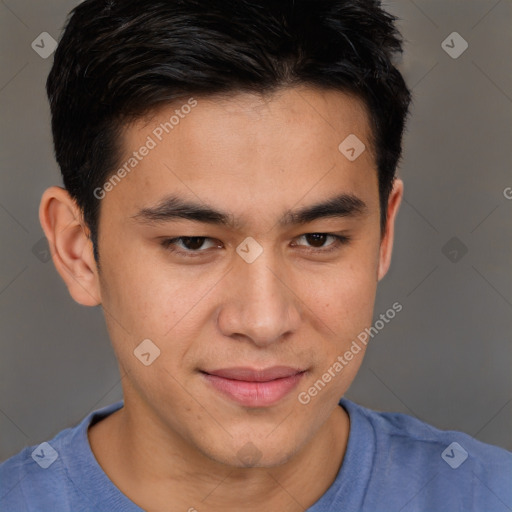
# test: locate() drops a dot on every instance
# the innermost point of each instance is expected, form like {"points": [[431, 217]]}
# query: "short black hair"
{"points": [[118, 61]]}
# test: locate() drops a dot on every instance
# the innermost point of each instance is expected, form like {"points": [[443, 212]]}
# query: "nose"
{"points": [[259, 304]]}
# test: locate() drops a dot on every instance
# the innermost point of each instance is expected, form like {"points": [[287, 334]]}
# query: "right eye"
{"points": [[189, 245]]}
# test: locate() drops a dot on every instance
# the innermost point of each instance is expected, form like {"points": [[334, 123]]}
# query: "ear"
{"points": [[386, 245], [70, 246]]}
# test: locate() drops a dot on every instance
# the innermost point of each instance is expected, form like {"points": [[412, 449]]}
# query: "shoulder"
{"points": [[42, 476], [396, 432], [27, 477], [445, 467]]}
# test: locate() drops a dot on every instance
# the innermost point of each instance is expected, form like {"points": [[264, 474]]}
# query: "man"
{"points": [[230, 199]]}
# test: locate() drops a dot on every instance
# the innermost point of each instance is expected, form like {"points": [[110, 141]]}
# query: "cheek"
{"points": [[343, 295], [150, 303], [342, 304], [145, 298]]}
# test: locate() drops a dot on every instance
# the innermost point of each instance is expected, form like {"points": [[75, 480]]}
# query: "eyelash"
{"points": [[340, 240]]}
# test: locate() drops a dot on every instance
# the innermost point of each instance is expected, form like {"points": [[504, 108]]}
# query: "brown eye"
{"points": [[316, 239], [189, 245], [316, 242], [193, 243]]}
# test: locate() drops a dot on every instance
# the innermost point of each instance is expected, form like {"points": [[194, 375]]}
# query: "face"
{"points": [[214, 247]]}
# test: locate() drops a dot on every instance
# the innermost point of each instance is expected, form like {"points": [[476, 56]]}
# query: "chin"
{"points": [[254, 454]]}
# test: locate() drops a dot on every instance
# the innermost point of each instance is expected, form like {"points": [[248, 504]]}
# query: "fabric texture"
{"points": [[393, 463]]}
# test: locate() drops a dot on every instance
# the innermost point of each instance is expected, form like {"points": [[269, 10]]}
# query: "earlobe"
{"points": [[386, 246], [70, 246]]}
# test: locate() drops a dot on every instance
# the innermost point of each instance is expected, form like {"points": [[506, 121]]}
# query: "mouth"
{"points": [[252, 387]]}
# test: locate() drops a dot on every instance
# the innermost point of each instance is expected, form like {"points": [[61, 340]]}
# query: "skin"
{"points": [[254, 158]]}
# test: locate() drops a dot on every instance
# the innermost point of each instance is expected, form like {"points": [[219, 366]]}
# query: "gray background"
{"points": [[445, 358]]}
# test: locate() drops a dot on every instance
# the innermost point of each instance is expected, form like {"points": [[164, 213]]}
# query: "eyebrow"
{"points": [[174, 207]]}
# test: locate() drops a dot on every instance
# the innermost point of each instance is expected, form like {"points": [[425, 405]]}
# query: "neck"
{"points": [[160, 468]]}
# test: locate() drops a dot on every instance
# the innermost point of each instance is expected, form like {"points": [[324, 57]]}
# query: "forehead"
{"points": [[308, 113], [248, 149]]}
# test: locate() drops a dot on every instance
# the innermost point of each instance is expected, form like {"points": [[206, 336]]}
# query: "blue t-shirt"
{"points": [[393, 463]]}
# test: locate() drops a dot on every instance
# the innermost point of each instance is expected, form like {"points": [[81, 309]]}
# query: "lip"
{"points": [[254, 388]]}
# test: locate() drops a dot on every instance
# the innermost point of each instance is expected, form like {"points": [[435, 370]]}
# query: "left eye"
{"points": [[318, 240]]}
